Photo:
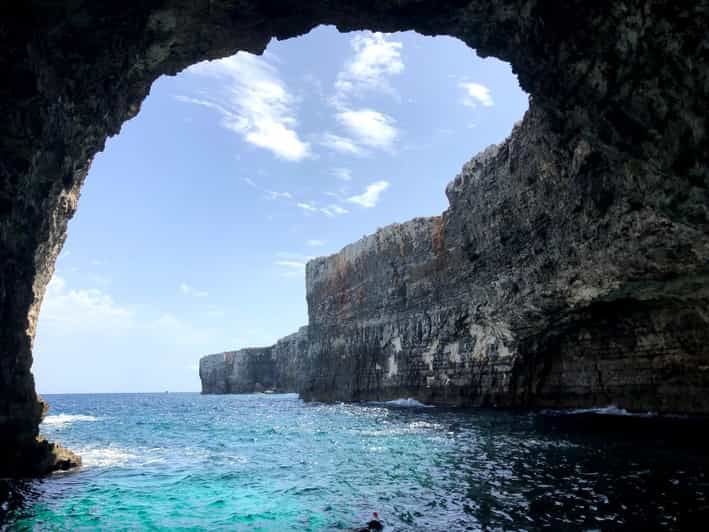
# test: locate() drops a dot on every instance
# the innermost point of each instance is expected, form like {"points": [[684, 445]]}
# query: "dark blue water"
{"points": [[272, 462]]}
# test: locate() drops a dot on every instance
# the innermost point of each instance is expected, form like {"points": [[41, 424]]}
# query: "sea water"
{"points": [[274, 462]]}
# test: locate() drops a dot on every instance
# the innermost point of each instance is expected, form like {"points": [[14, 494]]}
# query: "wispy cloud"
{"points": [[269, 194], [371, 196], [340, 144], [333, 210], [190, 290], [291, 268], [253, 102], [314, 243], [370, 127], [83, 310], [292, 264], [343, 174], [330, 210], [307, 207], [476, 94], [278, 195], [72, 312], [376, 58]]}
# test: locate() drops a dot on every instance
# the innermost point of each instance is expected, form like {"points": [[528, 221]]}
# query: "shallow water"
{"points": [[272, 462]]}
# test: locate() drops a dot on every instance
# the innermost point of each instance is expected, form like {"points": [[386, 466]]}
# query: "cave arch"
{"points": [[612, 152]]}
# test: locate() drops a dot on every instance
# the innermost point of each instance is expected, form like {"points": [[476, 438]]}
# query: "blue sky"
{"points": [[196, 221]]}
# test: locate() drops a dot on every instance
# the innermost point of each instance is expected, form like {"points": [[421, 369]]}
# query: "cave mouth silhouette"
{"points": [[616, 119]]}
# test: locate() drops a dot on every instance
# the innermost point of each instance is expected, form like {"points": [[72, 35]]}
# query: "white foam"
{"points": [[105, 457], [61, 420], [610, 410], [408, 403]]}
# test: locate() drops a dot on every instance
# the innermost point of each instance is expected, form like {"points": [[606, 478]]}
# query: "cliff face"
{"points": [[244, 371], [532, 289], [535, 288], [598, 206], [279, 367]]}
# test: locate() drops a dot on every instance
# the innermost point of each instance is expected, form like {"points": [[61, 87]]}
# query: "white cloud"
{"points": [[254, 103], [276, 195], [329, 210], [343, 174], [370, 197], [333, 210], [269, 194], [190, 290], [371, 127], [279, 139], [308, 207], [476, 94], [206, 103], [94, 314], [293, 256], [315, 243], [84, 310], [340, 144], [291, 264], [376, 58], [293, 267]]}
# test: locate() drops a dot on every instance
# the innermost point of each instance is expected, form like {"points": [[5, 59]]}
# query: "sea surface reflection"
{"points": [[273, 462]]}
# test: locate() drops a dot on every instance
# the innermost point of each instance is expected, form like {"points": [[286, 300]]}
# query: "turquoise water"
{"points": [[272, 462]]}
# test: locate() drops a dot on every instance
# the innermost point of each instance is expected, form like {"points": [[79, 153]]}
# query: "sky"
{"points": [[196, 221]]}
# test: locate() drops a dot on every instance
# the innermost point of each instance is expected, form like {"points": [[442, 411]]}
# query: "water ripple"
{"points": [[271, 462]]}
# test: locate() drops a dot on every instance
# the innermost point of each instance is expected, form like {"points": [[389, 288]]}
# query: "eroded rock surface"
{"points": [[279, 368], [513, 298], [528, 291], [596, 207]]}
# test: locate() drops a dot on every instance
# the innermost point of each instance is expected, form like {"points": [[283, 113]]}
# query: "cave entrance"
{"points": [[197, 220], [618, 147]]}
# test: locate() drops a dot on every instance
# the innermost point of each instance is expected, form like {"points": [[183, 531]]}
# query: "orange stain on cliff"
{"points": [[438, 235]]}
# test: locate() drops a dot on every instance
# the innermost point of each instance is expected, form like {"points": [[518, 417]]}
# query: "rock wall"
{"points": [[616, 136], [279, 367], [513, 297], [244, 371], [530, 290]]}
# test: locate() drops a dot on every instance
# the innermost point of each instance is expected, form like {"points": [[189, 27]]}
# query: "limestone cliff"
{"points": [[514, 297], [279, 367], [532, 289]]}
